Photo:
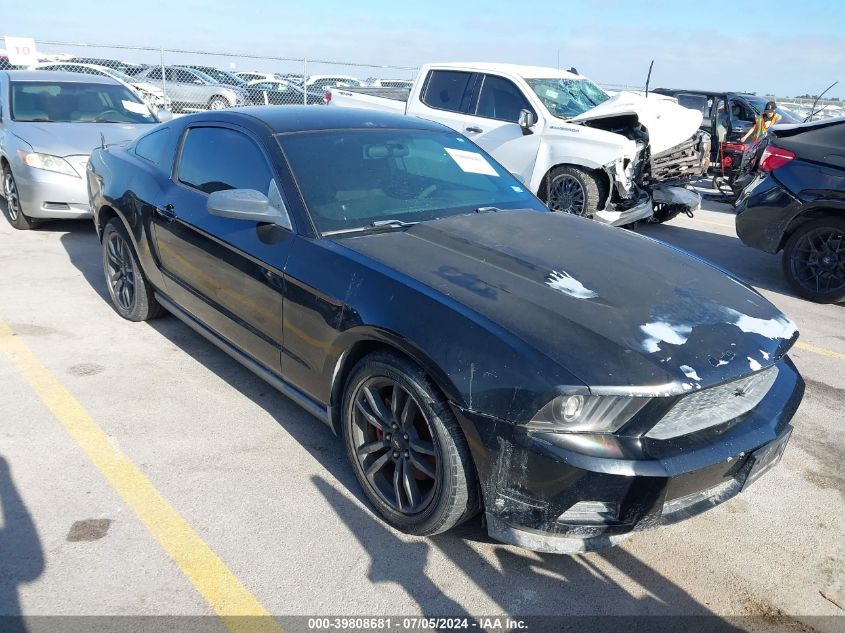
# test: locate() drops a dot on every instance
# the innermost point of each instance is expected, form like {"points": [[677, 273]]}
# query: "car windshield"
{"points": [[220, 76], [566, 98], [76, 102], [759, 104], [352, 179]]}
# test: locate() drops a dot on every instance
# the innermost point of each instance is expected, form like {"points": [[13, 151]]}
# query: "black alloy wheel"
{"points": [[131, 294], [120, 271], [814, 260], [393, 445], [406, 448], [566, 194]]}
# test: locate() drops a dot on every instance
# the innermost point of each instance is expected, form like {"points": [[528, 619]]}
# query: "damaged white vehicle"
{"points": [[616, 159]]}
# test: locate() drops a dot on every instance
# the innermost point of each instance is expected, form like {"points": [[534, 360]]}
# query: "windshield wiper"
{"points": [[391, 224]]}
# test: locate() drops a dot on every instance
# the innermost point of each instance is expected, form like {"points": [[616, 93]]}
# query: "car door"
{"points": [[742, 117], [189, 88], [226, 273], [446, 97], [493, 124]]}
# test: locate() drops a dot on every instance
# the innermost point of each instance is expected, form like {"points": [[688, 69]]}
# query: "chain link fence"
{"points": [[185, 80]]}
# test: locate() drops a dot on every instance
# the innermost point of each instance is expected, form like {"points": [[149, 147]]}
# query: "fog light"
{"points": [[590, 512]]}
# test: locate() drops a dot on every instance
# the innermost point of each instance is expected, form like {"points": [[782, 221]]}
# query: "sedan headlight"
{"points": [[587, 414], [47, 162]]}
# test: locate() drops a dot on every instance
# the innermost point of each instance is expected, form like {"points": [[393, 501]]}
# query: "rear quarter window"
{"points": [[153, 147], [445, 90]]}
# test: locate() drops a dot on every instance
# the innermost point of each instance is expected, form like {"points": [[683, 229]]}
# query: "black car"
{"points": [[473, 349], [280, 92], [796, 203]]}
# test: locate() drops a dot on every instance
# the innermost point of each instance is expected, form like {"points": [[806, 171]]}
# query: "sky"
{"points": [[765, 47]]}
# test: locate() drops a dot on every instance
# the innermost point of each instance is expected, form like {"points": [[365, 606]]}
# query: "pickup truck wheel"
{"points": [[218, 103], [406, 448], [814, 260], [14, 212], [131, 294], [574, 190]]}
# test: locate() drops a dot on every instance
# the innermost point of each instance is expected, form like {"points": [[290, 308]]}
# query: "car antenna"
{"points": [[813, 109], [648, 78], [102, 141], [574, 71]]}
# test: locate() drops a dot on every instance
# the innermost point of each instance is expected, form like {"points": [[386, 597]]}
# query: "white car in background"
{"points": [[254, 75], [393, 83], [150, 94], [324, 82]]}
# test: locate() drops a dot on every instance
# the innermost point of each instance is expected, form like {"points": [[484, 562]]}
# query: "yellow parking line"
{"points": [[209, 575], [819, 350]]}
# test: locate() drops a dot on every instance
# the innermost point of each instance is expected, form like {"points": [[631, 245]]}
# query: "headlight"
{"points": [[47, 162], [587, 414]]}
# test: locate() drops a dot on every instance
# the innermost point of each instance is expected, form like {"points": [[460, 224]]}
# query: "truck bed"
{"points": [[373, 97]]}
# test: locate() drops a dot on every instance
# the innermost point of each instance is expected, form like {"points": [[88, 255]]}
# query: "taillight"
{"points": [[328, 97], [727, 161], [774, 157]]}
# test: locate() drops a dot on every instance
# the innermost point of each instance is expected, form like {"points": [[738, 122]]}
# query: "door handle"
{"points": [[474, 128], [166, 213]]}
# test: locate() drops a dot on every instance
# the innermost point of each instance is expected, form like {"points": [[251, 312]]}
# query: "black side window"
{"points": [[500, 99], [695, 102], [445, 89], [741, 112], [153, 146], [155, 73], [215, 159]]}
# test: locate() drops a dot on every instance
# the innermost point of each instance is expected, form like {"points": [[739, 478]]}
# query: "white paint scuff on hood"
{"points": [[668, 123], [662, 331], [567, 284]]}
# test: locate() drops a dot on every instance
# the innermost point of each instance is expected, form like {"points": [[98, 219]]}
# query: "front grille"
{"points": [[714, 406]]}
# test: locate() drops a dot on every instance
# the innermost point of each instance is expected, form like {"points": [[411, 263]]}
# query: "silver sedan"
{"points": [[49, 123]]}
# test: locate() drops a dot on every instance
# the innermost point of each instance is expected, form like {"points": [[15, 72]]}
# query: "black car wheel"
{"points": [[814, 260], [406, 448], [574, 190], [14, 212], [131, 293]]}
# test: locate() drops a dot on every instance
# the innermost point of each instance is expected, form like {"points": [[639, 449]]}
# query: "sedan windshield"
{"points": [[566, 98], [377, 179], [76, 102]]}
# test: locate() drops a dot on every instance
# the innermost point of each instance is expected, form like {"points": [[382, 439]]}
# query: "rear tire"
{"points": [[814, 260], [218, 103], [14, 211], [575, 190], [406, 448], [131, 294]]}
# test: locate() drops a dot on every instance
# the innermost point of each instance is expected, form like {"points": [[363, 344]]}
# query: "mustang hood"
{"points": [[623, 313], [73, 139], [668, 123]]}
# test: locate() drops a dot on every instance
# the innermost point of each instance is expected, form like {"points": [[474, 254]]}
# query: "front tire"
{"points": [[14, 211], [406, 448], [575, 190], [131, 294], [814, 260]]}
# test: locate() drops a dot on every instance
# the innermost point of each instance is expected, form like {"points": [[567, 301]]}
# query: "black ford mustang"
{"points": [[473, 349]]}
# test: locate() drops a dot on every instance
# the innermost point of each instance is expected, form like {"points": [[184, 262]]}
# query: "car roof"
{"points": [[709, 93], [527, 72], [289, 118], [60, 77]]}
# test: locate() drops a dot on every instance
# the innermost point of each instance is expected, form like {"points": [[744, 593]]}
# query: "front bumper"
{"points": [[642, 209], [533, 481], [50, 195]]}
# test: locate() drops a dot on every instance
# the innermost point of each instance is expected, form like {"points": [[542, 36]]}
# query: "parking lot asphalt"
{"points": [[139, 465]]}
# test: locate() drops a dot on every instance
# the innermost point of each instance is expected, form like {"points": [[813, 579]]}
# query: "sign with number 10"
{"points": [[21, 51]]}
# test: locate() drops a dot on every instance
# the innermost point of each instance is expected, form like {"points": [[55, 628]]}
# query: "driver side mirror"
{"points": [[527, 120], [164, 115], [249, 205]]}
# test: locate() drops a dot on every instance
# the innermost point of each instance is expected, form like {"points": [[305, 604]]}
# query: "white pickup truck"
{"points": [[579, 149]]}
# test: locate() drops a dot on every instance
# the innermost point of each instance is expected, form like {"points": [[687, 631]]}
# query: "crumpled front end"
{"points": [[628, 201]]}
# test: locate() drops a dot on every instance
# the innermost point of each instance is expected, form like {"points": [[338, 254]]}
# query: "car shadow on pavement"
{"points": [[519, 582], [83, 249], [21, 554]]}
